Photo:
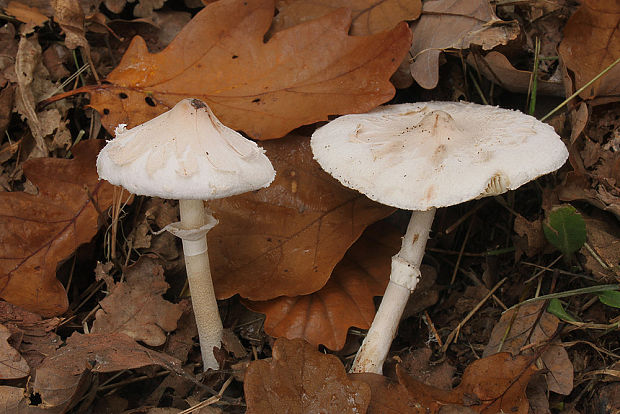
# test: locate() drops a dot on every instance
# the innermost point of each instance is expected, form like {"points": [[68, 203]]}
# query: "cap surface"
{"points": [[436, 154], [185, 153]]}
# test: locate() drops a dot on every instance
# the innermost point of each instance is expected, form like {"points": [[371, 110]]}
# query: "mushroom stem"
{"points": [[403, 279], [194, 217]]}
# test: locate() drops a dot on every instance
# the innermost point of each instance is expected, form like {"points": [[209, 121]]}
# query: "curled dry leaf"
{"points": [[70, 16], [38, 231], [454, 24], [135, 306], [368, 16], [12, 365], [301, 75], [300, 379], [63, 376], [346, 300], [591, 43], [497, 68], [286, 239], [526, 328]]}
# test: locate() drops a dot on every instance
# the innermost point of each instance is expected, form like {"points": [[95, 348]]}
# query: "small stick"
{"points": [[429, 322]]}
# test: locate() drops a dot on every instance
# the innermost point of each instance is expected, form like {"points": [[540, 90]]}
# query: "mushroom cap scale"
{"points": [[184, 153], [436, 154]]}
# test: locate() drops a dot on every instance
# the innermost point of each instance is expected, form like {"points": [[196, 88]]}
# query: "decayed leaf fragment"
{"points": [[135, 307], [346, 300], [38, 231], [300, 379], [369, 16], [301, 75], [591, 43], [454, 24], [286, 239]]}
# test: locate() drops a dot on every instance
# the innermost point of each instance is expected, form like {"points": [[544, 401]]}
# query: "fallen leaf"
{"points": [[578, 187], [300, 76], [286, 239], [388, 396], [70, 16], [300, 379], [346, 300], [418, 365], [531, 238], [12, 399], [38, 231], [368, 16], [490, 385], [525, 328], [135, 306], [12, 365], [454, 24], [604, 240], [62, 377], [34, 337], [497, 68], [32, 16], [591, 43]]}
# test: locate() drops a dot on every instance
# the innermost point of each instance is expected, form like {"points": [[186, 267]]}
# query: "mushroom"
{"points": [[423, 156], [187, 154]]}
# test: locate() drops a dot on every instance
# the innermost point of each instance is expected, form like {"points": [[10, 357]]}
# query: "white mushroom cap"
{"points": [[185, 153], [436, 154]]}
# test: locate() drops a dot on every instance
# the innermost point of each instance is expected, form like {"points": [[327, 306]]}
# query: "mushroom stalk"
{"points": [[403, 279], [198, 221]]}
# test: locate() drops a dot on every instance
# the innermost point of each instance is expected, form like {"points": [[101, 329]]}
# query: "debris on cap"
{"points": [[185, 153], [436, 154]]}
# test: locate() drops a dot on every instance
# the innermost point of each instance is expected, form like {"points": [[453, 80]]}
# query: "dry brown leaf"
{"points": [[437, 374], [532, 239], [369, 16], [12, 399], [301, 75], [70, 16], [490, 385], [346, 300], [604, 238], [578, 187], [591, 43], [32, 16], [62, 377], [34, 337], [286, 239], [388, 396], [454, 24], [135, 306], [300, 379], [520, 334], [12, 365], [38, 231], [497, 68]]}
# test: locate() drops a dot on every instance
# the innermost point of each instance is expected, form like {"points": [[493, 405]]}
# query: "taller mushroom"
{"points": [[423, 156], [187, 154]]}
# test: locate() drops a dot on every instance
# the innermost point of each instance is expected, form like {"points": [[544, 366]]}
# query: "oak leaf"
{"points": [[346, 300], [38, 231], [454, 24], [300, 76], [64, 375], [368, 16], [135, 306], [591, 43], [300, 379], [491, 385], [286, 239]]}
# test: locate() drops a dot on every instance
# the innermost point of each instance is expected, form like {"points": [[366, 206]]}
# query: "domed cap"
{"points": [[436, 154], [185, 153]]}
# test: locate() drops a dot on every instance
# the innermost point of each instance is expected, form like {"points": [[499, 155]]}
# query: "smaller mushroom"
{"points": [[423, 156], [187, 154]]}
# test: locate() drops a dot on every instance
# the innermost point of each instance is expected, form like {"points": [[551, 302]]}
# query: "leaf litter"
{"points": [[307, 198]]}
